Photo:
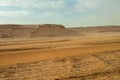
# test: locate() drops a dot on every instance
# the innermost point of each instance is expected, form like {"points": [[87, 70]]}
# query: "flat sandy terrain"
{"points": [[23, 51], [54, 52], [78, 58]]}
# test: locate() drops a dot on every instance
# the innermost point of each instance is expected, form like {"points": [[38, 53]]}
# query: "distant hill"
{"points": [[51, 30], [97, 29], [34, 31]]}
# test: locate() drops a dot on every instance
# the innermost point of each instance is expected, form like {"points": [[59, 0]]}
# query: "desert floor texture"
{"points": [[61, 58]]}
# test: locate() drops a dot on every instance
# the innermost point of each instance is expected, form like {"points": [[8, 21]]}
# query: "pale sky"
{"points": [[71, 13]]}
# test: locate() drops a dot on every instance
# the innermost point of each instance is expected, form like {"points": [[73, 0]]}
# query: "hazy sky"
{"points": [[66, 12]]}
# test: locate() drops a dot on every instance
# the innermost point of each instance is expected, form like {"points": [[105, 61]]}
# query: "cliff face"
{"points": [[28, 31]]}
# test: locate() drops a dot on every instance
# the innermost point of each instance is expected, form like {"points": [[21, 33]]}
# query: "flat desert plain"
{"points": [[85, 57]]}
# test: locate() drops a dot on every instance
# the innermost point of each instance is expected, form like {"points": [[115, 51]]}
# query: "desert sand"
{"points": [[70, 54]]}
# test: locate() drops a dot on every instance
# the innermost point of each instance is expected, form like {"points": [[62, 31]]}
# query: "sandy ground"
{"points": [[26, 55], [12, 52]]}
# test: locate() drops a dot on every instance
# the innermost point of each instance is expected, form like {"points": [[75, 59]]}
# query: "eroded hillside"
{"points": [[54, 30], [28, 31]]}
